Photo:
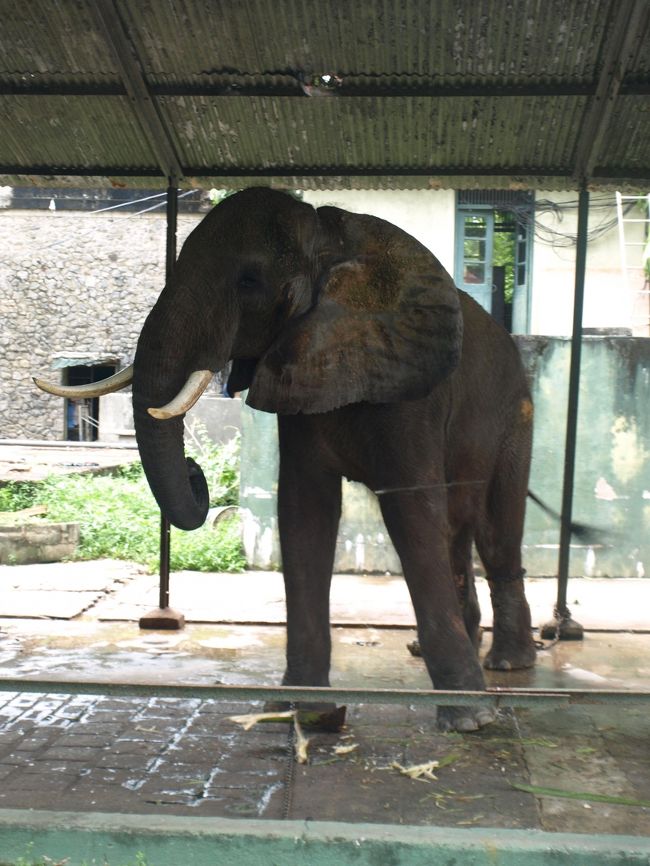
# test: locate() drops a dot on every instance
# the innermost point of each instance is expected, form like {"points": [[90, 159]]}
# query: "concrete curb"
{"points": [[122, 840]]}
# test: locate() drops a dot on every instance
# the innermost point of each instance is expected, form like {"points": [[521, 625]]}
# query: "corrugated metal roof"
{"points": [[462, 93]]}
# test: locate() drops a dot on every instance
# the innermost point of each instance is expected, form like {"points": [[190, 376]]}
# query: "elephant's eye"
{"points": [[249, 282]]}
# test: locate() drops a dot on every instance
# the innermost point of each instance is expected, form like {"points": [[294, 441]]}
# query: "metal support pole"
{"points": [[165, 539], [562, 625], [164, 617], [170, 261]]}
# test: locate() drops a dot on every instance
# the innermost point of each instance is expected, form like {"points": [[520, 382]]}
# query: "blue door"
{"points": [[474, 254]]}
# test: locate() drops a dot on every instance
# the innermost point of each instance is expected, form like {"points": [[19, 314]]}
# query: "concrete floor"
{"points": [[35, 461], [185, 757]]}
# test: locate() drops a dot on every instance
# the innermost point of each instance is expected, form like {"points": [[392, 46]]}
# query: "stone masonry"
{"points": [[71, 282]]}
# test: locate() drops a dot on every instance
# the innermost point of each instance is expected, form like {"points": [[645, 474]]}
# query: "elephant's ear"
{"points": [[386, 325]]}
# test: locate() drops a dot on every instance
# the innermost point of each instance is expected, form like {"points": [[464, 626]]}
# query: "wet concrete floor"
{"points": [[186, 756]]}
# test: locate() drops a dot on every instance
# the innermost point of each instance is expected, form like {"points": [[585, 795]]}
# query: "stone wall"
{"points": [[71, 282], [37, 542]]}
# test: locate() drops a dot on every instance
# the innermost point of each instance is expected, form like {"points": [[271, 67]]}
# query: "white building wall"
{"points": [[428, 215], [608, 303]]}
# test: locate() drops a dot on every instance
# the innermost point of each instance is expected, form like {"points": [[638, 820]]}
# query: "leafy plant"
{"points": [[118, 517], [14, 496], [220, 464]]}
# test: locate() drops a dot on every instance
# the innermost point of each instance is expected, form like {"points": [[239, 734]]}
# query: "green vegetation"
{"points": [[504, 254], [119, 519]]}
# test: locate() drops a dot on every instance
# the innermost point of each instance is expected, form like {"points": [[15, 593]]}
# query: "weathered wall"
{"points": [[612, 475], [612, 483], [70, 281], [34, 542], [218, 417]]}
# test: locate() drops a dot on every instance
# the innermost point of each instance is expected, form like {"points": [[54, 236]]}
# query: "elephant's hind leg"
{"points": [[498, 540], [462, 567]]}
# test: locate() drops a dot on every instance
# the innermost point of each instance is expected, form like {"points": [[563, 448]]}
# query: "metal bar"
{"points": [[232, 86], [572, 412], [625, 35], [244, 693], [163, 568], [128, 64], [621, 240], [370, 89], [170, 261], [172, 226], [632, 176], [298, 171]]}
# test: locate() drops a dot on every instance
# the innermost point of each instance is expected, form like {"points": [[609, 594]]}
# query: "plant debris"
{"points": [[301, 742], [580, 795], [345, 750], [249, 720], [419, 772]]}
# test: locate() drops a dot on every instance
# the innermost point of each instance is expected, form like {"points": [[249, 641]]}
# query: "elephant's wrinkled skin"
{"points": [[380, 371]]}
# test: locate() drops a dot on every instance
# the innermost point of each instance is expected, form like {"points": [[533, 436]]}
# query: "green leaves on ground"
{"points": [[579, 795]]}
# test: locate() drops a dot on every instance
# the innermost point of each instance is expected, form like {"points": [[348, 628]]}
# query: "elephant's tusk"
{"points": [[196, 384], [92, 389]]}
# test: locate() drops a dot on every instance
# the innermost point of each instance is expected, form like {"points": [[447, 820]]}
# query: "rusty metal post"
{"points": [[164, 617], [562, 625]]}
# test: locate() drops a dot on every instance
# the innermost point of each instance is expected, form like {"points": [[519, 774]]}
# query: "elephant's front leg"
{"points": [[417, 524], [309, 507]]}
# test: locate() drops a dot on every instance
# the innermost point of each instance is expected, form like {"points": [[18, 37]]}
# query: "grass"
{"points": [[119, 519]]}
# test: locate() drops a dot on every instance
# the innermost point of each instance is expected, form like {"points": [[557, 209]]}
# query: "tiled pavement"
{"points": [[185, 756]]}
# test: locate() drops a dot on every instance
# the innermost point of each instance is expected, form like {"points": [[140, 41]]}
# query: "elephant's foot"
{"points": [[465, 719], [512, 647], [510, 656]]}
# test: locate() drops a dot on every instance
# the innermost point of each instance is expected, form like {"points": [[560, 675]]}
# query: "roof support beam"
{"points": [[370, 90], [638, 179], [627, 33], [158, 138]]}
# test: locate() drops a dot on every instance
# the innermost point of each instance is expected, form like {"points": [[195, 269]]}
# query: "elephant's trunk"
{"points": [[177, 482], [179, 337]]}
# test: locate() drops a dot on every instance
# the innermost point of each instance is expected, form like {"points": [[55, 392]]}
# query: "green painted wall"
{"points": [[612, 481], [612, 475]]}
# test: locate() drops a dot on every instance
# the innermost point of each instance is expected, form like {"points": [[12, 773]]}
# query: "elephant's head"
{"points": [[315, 308]]}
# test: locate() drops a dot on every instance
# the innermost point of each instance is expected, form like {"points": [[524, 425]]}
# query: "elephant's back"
{"points": [[490, 358], [489, 391]]}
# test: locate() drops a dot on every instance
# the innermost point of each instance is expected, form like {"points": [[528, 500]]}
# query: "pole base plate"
{"points": [[562, 628], [163, 618]]}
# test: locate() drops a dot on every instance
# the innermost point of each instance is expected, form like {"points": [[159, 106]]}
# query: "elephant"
{"points": [[379, 370]]}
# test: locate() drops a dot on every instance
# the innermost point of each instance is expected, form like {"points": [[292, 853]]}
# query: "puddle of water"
{"points": [[255, 655]]}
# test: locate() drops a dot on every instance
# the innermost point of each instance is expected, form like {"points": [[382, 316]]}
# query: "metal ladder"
{"points": [[634, 265]]}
